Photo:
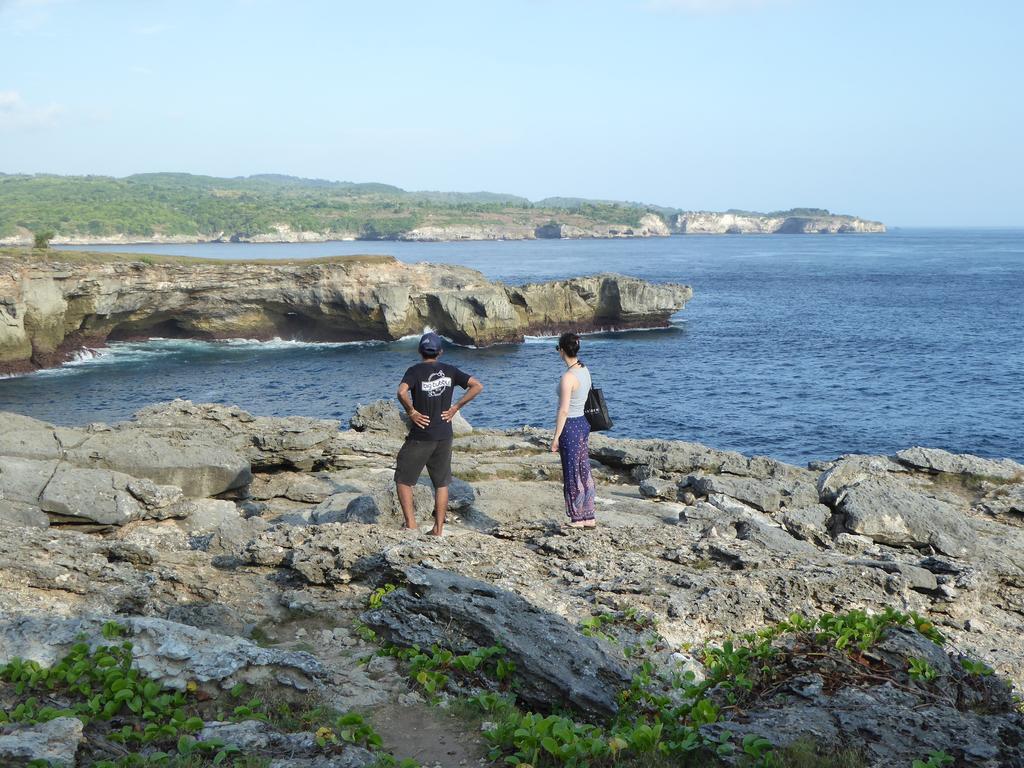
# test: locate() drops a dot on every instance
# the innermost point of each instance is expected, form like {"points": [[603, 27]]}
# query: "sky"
{"points": [[905, 111]]}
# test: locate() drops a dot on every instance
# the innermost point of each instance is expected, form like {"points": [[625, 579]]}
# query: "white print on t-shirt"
{"points": [[436, 385]]}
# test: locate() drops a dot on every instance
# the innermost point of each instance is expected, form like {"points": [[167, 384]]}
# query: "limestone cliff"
{"points": [[50, 308], [710, 223]]}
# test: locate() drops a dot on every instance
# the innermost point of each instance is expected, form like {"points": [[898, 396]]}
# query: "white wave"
{"points": [[279, 343], [603, 332], [88, 355]]}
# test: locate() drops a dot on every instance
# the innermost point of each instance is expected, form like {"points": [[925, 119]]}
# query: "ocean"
{"points": [[798, 347]]}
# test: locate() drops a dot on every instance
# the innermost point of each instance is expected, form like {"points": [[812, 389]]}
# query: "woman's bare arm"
{"points": [[565, 390]]}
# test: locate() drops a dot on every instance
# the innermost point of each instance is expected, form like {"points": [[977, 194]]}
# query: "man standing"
{"points": [[426, 393]]}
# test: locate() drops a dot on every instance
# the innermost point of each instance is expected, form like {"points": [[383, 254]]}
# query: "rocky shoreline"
{"points": [[55, 303], [882, 596], [648, 225]]}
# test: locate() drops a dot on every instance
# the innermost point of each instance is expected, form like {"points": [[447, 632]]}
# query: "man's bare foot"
{"points": [[434, 532], [412, 527]]}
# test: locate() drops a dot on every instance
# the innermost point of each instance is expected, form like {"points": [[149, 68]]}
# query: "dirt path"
{"points": [[430, 736]]}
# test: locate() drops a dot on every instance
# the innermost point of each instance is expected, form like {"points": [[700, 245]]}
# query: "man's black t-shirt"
{"points": [[431, 387]]}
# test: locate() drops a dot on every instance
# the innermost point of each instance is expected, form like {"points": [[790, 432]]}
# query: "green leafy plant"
{"points": [[973, 667], [921, 670], [935, 760], [377, 596]]}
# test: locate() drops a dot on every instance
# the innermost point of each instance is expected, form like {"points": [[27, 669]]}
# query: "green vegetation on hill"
{"points": [[182, 204]]}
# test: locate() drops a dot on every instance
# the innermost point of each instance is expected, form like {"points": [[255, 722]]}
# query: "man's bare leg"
{"points": [[405, 499], [440, 507]]}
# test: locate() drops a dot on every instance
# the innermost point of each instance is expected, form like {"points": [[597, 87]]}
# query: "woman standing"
{"points": [[572, 432]]}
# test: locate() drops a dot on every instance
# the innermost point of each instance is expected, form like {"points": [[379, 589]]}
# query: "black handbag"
{"points": [[596, 411]]}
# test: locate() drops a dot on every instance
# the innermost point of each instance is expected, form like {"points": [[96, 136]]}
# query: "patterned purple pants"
{"points": [[577, 481]]}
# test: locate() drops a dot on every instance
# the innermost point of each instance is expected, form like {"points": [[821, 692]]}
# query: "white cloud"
{"points": [[15, 112], [153, 29], [714, 6], [23, 16]]}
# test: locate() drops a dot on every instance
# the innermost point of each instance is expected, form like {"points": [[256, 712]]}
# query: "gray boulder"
{"points": [[55, 743], [23, 480], [27, 438], [269, 443], [19, 514], [938, 460], [90, 496], [200, 467], [658, 488], [171, 653], [555, 664], [386, 417], [353, 757], [759, 494], [809, 523], [381, 506], [890, 511]]}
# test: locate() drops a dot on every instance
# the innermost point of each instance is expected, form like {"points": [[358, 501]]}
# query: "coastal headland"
{"points": [[183, 208], [248, 577], [53, 303]]}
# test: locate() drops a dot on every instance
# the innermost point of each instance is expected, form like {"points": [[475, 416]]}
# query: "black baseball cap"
{"points": [[430, 343]]}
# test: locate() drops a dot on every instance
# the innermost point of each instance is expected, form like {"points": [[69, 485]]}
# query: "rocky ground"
{"points": [[250, 579]]}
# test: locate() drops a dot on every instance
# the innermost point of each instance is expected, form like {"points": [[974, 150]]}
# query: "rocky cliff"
{"points": [[709, 223], [864, 611], [52, 305]]}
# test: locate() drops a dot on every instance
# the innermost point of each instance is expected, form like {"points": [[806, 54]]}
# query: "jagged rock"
{"points": [[353, 757], [198, 465], [461, 495], [215, 525], [850, 470], [296, 486], [972, 718], [90, 495], [917, 578], [17, 513], [171, 653], [937, 460], [759, 494], [554, 662], [1005, 500], [808, 523], [379, 416], [76, 495], [269, 443], [27, 438], [381, 505], [159, 500], [386, 417], [658, 488], [890, 512], [55, 743], [23, 480]]}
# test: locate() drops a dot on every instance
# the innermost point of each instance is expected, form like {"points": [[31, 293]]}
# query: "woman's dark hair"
{"points": [[569, 343]]}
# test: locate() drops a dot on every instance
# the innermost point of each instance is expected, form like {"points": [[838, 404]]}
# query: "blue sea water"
{"points": [[798, 347]]}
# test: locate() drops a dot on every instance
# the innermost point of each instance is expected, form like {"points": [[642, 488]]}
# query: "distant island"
{"points": [[184, 208]]}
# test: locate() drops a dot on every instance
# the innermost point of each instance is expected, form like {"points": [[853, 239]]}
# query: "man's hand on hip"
{"points": [[421, 420]]}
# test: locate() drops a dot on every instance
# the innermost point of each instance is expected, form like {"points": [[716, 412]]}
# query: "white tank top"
{"points": [[578, 399]]}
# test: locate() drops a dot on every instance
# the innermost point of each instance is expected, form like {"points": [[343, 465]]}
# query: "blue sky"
{"points": [[905, 111]]}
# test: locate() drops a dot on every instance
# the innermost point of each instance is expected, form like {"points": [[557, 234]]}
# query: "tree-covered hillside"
{"points": [[182, 204]]}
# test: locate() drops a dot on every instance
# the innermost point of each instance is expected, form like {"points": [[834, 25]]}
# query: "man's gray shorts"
{"points": [[435, 455]]}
